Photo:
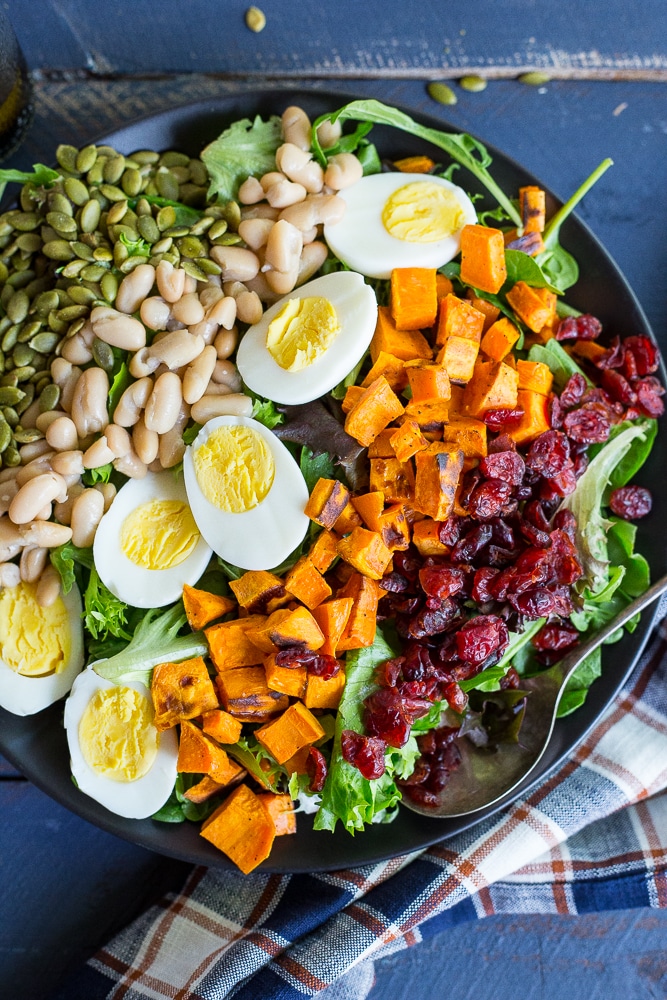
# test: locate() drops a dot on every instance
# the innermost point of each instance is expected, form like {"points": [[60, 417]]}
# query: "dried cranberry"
{"points": [[649, 402], [511, 680], [534, 512], [498, 420], [428, 622], [408, 563], [644, 353], [483, 577], [572, 394], [316, 768], [549, 453], [564, 520], [501, 443], [631, 502], [387, 673], [449, 531], [488, 498], [394, 583], [587, 425], [537, 603], [419, 775], [584, 327], [480, 637], [468, 485], [472, 543], [366, 753], [533, 535], [618, 387], [417, 662], [506, 465], [441, 581], [455, 697], [422, 796], [560, 485], [613, 357], [556, 636]]}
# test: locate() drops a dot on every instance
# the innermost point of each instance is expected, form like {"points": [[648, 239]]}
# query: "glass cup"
{"points": [[15, 90]]}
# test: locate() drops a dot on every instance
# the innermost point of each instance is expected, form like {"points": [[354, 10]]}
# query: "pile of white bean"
{"points": [[179, 354]]}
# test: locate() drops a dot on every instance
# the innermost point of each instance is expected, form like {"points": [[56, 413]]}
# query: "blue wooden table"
{"points": [[65, 885]]}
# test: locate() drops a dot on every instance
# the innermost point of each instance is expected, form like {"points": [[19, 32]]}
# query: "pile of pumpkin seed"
{"points": [[65, 249]]}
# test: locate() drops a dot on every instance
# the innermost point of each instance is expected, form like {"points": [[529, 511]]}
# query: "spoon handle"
{"points": [[571, 660]]}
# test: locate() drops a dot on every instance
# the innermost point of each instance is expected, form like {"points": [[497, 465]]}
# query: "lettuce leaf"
{"points": [[246, 148]]}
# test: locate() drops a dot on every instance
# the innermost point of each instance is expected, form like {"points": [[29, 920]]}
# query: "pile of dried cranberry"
{"points": [[513, 559]]}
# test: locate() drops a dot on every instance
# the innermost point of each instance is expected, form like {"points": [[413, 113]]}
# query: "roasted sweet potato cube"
{"points": [[353, 394], [256, 589], [181, 691], [415, 164], [458, 356], [327, 502], [428, 381], [297, 727], [230, 646], [535, 375], [204, 790], [469, 434], [443, 286], [287, 680], [426, 538], [198, 754], [458, 318], [381, 447], [373, 411], [487, 309], [360, 628], [296, 628], [456, 402], [393, 478], [241, 828], [246, 695], [587, 349], [493, 386], [408, 439], [298, 764], [483, 258], [499, 339], [413, 296], [307, 584], [370, 506], [430, 415], [535, 419], [347, 521], [281, 810], [260, 634], [332, 617], [202, 607], [403, 344], [438, 470], [323, 551], [532, 305], [393, 370], [394, 528], [366, 551], [321, 693], [532, 208], [222, 726]]}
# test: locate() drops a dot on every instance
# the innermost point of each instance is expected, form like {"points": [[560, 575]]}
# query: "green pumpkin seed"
{"points": [[162, 246], [195, 272], [208, 266], [143, 207], [473, 84], [113, 168], [131, 262], [120, 253], [93, 272], [68, 313], [103, 255], [534, 78], [45, 302], [28, 396], [103, 354], [76, 191], [131, 183], [148, 228], [25, 222], [22, 354], [145, 156], [29, 242], [201, 226], [5, 435], [64, 225], [4, 273], [218, 228], [167, 185], [28, 330], [166, 218], [112, 193], [59, 203], [10, 456], [10, 415], [67, 156], [90, 216], [81, 296], [198, 173], [441, 93], [81, 249], [26, 435], [109, 286], [58, 250], [85, 159], [190, 246], [10, 395], [17, 307], [49, 398], [73, 269], [44, 342], [227, 240], [42, 380], [116, 212], [9, 379]]}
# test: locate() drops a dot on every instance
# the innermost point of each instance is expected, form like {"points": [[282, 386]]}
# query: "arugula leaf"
{"points": [[463, 148], [101, 474], [155, 640], [558, 360], [246, 148]]}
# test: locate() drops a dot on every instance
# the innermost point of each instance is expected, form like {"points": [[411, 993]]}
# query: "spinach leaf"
{"points": [[521, 267], [558, 360]]}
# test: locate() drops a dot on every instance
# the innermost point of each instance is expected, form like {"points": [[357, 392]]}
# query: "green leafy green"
{"points": [[155, 640], [559, 361], [252, 755], [135, 248], [101, 474], [621, 549], [40, 176], [246, 148], [338, 391], [522, 267], [634, 458], [178, 808], [119, 383], [66, 558], [185, 214], [579, 683], [266, 412], [104, 613], [462, 148]]}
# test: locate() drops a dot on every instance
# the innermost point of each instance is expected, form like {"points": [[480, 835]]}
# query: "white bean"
{"points": [[207, 330], [284, 193], [189, 285], [65, 375], [225, 342], [44, 420], [188, 309], [32, 562], [255, 232], [177, 349], [99, 453], [11, 541], [37, 467], [132, 402], [234, 404], [155, 313], [76, 350], [46, 533], [249, 308], [63, 511], [270, 178], [145, 442], [118, 440], [343, 170], [30, 414], [164, 403], [68, 463], [34, 494], [283, 247], [142, 364], [223, 312], [226, 373], [313, 256], [108, 491], [62, 434], [118, 329], [48, 588], [131, 465], [87, 511], [172, 445], [197, 375], [170, 281], [261, 211], [328, 133], [282, 282], [237, 263], [210, 294], [296, 127], [8, 490], [89, 402], [299, 166], [10, 575], [134, 288], [251, 191], [35, 449]]}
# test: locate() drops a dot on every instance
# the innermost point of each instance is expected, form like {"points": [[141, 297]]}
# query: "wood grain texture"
{"points": [[386, 38]]}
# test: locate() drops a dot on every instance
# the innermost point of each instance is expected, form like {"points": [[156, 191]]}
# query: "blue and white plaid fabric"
{"points": [[593, 836]]}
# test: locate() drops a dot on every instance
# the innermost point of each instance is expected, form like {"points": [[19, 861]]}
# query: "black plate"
{"points": [[37, 746]]}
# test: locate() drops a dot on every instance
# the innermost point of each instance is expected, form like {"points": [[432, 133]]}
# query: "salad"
{"points": [[306, 463]]}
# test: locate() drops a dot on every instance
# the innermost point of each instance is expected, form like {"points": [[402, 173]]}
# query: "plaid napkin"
{"points": [[593, 836]]}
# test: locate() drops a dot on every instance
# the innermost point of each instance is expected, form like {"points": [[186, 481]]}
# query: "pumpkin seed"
{"points": [[4, 273], [59, 203], [112, 192], [49, 398], [130, 263], [17, 307], [534, 78], [116, 212], [227, 240], [198, 173], [166, 217], [76, 190], [143, 207], [73, 269], [25, 222], [26, 435], [113, 168], [81, 249], [68, 313], [208, 266], [103, 255], [109, 286], [28, 396], [146, 156], [131, 182], [10, 456], [217, 229], [103, 354], [190, 246], [44, 342], [10, 395], [473, 84], [255, 19], [67, 157], [201, 226], [162, 246], [441, 93], [148, 228], [195, 272], [29, 242], [93, 273], [167, 185], [58, 250], [85, 159], [45, 302], [5, 435], [81, 296], [231, 211], [10, 415], [90, 216]]}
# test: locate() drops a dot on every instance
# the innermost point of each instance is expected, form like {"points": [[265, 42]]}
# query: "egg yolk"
{"points": [[34, 641], [234, 468], [159, 534], [301, 332], [116, 734], [422, 212]]}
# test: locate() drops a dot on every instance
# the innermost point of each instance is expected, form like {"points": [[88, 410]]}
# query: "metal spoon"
{"points": [[482, 777]]}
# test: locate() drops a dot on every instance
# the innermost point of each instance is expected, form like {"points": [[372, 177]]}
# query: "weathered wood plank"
{"points": [[387, 39]]}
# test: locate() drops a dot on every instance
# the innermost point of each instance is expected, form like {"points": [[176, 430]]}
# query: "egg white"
{"points": [[132, 799], [361, 240], [356, 307], [136, 585], [28, 695], [260, 538]]}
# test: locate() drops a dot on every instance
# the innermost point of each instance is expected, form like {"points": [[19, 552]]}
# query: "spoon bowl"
{"points": [[484, 777]]}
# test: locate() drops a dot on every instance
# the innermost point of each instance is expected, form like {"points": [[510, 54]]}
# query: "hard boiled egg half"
{"points": [[308, 341], [400, 220], [148, 545], [117, 756], [246, 492], [41, 649]]}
